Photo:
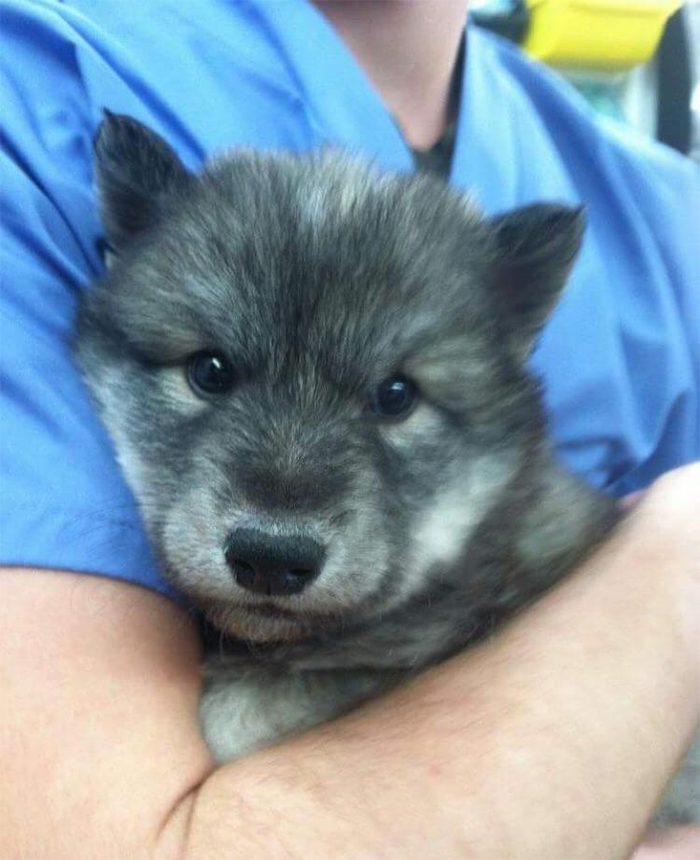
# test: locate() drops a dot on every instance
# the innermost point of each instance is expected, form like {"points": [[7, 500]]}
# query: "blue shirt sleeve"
{"points": [[661, 334], [64, 502]]}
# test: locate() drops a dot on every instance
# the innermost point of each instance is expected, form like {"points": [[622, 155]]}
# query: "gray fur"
{"points": [[319, 277]]}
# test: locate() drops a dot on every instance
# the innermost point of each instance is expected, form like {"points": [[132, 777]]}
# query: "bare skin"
{"points": [[491, 755], [408, 50], [677, 843]]}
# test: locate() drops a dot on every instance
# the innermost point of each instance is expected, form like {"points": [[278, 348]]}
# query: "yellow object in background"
{"points": [[596, 34]]}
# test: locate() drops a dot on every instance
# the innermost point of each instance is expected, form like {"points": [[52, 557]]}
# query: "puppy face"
{"points": [[312, 373]]}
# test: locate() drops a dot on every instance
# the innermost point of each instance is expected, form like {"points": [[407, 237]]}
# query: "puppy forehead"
{"points": [[334, 249], [347, 318], [332, 205], [333, 262]]}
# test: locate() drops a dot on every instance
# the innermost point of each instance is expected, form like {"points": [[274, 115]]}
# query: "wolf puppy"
{"points": [[314, 376]]}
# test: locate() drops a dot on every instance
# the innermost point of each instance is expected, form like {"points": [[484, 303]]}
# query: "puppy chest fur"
{"points": [[315, 377]]}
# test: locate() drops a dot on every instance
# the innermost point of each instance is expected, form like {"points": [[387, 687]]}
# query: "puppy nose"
{"points": [[273, 564]]}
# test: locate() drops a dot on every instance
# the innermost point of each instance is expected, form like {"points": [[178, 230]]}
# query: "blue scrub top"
{"points": [[619, 358]]}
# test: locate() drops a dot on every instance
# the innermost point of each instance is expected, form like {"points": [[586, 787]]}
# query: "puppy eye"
{"points": [[209, 373], [394, 397]]}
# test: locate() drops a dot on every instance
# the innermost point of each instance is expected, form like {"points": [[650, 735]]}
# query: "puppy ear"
{"points": [[536, 247], [135, 172]]}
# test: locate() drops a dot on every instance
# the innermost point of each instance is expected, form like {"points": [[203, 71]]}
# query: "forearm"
{"points": [[553, 740]]}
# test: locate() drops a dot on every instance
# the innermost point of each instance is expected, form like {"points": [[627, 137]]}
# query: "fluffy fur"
{"points": [[318, 278]]}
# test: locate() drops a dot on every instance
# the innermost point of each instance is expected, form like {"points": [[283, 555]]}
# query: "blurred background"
{"points": [[636, 61]]}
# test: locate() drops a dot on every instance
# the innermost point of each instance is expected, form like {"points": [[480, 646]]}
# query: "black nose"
{"points": [[273, 564]]}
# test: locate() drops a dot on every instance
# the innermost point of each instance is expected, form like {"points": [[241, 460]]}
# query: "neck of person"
{"points": [[408, 49]]}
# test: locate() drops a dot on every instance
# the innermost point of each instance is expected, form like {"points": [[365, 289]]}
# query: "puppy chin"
{"points": [[256, 627]]}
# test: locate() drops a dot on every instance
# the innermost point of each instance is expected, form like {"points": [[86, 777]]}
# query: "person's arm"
{"points": [[674, 843], [554, 739]]}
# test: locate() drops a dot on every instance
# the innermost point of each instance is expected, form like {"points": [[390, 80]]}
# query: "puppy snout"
{"points": [[274, 565]]}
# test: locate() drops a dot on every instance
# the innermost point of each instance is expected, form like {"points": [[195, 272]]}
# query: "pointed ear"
{"points": [[536, 247], [135, 171]]}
